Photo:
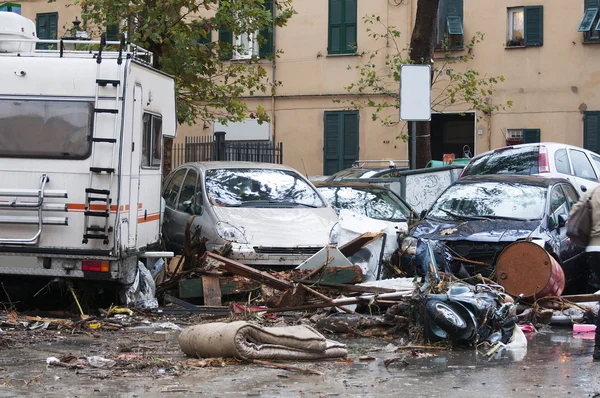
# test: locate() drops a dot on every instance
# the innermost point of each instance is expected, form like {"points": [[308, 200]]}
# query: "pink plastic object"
{"points": [[583, 328]]}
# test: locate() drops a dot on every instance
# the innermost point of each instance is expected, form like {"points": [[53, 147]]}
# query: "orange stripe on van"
{"points": [[75, 207], [149, 217]]}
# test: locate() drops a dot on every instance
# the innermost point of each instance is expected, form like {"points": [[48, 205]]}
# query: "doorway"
{"points": [[452, 133]]}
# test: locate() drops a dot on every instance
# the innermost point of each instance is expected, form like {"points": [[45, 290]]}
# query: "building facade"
{"points": [[547, 51]]}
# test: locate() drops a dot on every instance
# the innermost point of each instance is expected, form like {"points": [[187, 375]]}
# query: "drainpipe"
{"points": [[273, 118]]}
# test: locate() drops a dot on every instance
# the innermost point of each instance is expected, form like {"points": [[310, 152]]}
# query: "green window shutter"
{"points": [[331, 148], [531, 136], [350, 139], [349, 31], [587, 20], [225, 44], [334, 44], [534, 25], [41, 26], [46, 28], [112, 32], [454, 17], [591, 4], [591, 131], [265, 48]]}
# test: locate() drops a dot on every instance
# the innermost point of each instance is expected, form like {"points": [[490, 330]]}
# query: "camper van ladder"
{"points": [[96, 224]]}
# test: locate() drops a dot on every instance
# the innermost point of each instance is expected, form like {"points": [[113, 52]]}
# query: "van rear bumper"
{"points": [[119, 270]]}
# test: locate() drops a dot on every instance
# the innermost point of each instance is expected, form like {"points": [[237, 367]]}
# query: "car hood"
{"points": [[477, 230], [280, 227]]}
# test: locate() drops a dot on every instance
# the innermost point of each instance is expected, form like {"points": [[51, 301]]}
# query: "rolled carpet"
{"points": [[245, 340]]}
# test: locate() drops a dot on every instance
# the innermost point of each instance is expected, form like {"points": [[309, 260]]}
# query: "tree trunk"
{"points": [[422, 44]]}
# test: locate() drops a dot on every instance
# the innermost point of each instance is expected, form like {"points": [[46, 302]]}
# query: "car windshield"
{"points": [[349, 174], [371, 202], [490, 200], [259, 188], [522, 161]]}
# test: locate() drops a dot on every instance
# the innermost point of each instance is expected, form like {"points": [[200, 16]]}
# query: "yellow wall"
{"points": [[549, 85]]}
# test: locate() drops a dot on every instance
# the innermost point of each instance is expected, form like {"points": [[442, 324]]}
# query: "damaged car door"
{"points": [[562, 197]]}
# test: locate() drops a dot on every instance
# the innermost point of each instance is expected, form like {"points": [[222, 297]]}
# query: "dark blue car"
{"points": [[477, 217]]}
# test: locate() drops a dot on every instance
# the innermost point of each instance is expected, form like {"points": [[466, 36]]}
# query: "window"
{"points": [[152, 141], [558, 204], [591, 131], [490, 199], [562, 161], [340, 142], [248, 44], [590, 22], [525, 26], [449, 25], [172, 189], [522, 136], [514, 137], [342, 27], [47, 28], [372, 202], [270, 188], [45, 128], [516, 27], [571, 194], [596, 161], [582, 166], [11, 7], [189, 194], [520, 160], [112, 32]]}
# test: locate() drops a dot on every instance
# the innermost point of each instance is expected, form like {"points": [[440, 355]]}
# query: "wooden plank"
{"points": [[212, 290], [347, 288], [192, 288], [576, 298], [249, 272], [350, 248]]}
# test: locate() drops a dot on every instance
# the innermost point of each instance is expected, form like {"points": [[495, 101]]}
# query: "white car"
{"points": [[270, 213], [547, 159]]}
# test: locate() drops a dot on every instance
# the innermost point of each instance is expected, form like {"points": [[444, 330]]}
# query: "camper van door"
{"points": [[134, 188]]}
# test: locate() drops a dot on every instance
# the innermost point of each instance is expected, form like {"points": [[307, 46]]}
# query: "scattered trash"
{"points": [[141, 293], [100, 362]]}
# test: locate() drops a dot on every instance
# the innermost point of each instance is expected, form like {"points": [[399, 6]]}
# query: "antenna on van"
{"points": [[304, 166]]}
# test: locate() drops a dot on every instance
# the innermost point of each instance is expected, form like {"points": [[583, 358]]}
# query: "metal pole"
{"points": [[413, 149]]}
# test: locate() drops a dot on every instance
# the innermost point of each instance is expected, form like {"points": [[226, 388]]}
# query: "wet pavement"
{"points": [[554, 365]]}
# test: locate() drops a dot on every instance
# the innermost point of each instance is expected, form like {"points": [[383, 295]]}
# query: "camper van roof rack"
{"points": [[82, 49]]}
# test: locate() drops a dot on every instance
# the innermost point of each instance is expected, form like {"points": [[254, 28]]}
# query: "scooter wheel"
{"points": [[446, 317]]}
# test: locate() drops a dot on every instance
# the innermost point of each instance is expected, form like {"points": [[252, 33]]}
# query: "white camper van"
{"points": [[81, 135]]}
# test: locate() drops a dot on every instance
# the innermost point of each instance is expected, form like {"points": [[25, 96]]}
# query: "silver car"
{"points": [[270, 213], [546, 159]]}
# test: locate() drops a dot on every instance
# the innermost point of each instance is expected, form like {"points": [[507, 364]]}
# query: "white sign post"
{"points": [[415, 100]]}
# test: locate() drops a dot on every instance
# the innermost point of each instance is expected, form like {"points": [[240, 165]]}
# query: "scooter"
{"points": [[469, 316]]}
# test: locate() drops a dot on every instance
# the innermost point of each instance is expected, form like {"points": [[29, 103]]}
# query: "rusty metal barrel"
{"points": [[525, 267]]}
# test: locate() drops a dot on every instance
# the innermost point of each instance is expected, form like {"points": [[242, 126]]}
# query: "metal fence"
{"points": [[200, 149]]}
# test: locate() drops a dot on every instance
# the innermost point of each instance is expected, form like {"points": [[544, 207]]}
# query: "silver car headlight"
{"points": [[230, 233], [409, 245], [334, 234]]}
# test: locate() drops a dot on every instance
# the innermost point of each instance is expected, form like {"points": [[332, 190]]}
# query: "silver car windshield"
{"points": [[375, 203], [259, 188], [491, 200]]}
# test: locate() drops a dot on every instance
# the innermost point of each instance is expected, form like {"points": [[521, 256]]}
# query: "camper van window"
{"points": [[45, 129], [152, 141]]}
